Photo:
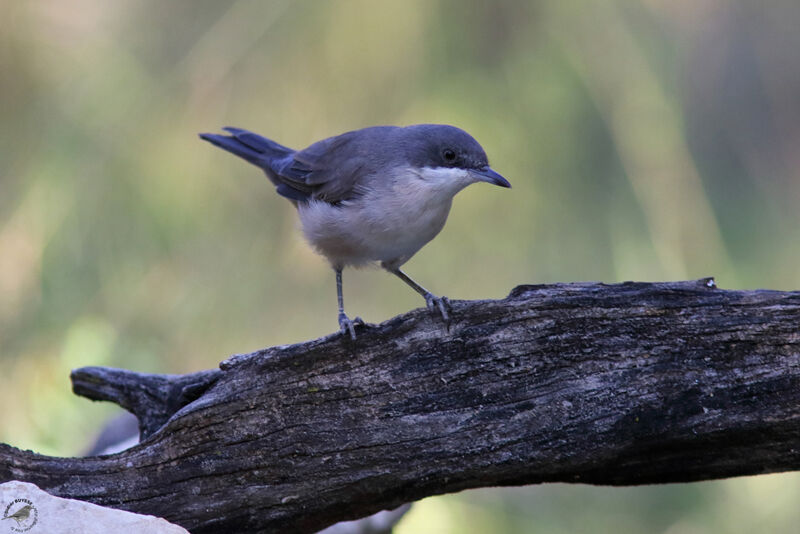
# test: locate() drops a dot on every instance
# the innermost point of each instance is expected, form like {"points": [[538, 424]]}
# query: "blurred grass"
{"points": [[645, 140]]}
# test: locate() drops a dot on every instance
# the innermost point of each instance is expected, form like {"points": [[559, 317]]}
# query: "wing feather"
{"points": [[332, 170]]}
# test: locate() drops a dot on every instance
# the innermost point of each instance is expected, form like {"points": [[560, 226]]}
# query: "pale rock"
{"points": [[26, 508]]}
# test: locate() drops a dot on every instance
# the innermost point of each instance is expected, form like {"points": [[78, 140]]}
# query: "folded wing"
{"points": [[330, 170]]}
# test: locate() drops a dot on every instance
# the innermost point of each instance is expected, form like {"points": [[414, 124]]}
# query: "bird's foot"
{"points": [[346, 325], [440, 304]]}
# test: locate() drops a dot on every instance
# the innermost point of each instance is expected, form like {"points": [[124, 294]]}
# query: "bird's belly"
{"points": [[363, 232]]}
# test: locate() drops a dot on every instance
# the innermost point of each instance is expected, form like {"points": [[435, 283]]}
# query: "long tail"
{"points": [[252, 147]]}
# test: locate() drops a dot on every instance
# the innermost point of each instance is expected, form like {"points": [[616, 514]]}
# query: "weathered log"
{"points": [[622, 384]]}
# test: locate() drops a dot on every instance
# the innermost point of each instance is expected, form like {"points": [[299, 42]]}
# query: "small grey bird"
{"points": [[21, 515], [373, 195]]}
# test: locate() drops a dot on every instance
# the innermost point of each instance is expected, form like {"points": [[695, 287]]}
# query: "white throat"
{"points": [[444, 180]]}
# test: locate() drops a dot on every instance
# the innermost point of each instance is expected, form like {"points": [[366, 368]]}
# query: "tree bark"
{"points": [[633, 383]]}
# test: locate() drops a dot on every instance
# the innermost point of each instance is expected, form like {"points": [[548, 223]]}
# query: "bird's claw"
{"points": [[442, 304], [346, 325]]}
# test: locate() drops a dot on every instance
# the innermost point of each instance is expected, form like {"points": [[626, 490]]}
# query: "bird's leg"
{"points": [[345, 324], [434, 303]]}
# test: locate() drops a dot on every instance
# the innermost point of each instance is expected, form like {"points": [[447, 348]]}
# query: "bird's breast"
{"points": [[388, 225]]}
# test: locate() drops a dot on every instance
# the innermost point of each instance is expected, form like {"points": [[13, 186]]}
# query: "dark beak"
{"points": [[486, 174]]}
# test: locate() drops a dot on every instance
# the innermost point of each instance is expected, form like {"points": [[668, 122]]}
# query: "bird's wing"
{"points": [[331, 170]]}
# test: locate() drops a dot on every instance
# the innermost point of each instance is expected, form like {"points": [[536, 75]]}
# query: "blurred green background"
{"points": [[647, 140]]}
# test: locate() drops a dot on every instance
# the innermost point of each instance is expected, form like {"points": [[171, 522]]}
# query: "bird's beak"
{"points": [[486, 174]]}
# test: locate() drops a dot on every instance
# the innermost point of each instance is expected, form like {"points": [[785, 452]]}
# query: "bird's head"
{"points": [[448, 156]]}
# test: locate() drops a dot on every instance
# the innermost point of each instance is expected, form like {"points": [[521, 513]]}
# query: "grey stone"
{"points": [[26, 508]]}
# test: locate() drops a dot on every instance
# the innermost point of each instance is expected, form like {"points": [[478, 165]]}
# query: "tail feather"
{"points": [[265, 153], [258, 143], [251, 147], [234, 147]]}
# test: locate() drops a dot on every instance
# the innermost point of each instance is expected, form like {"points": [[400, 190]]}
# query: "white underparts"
{"points": [[395, 217]]}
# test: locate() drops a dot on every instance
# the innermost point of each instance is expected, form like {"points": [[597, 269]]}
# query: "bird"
{"points": [[21, 515], [373, 195]]}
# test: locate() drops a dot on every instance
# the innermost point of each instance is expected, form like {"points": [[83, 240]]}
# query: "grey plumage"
{"points": [[376, 194]]}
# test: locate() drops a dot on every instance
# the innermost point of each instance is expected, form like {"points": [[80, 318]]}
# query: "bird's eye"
{"points": [[449, 155]]}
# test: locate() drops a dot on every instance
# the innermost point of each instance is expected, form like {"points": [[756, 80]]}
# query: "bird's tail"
{"points": [[252, 147]]}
